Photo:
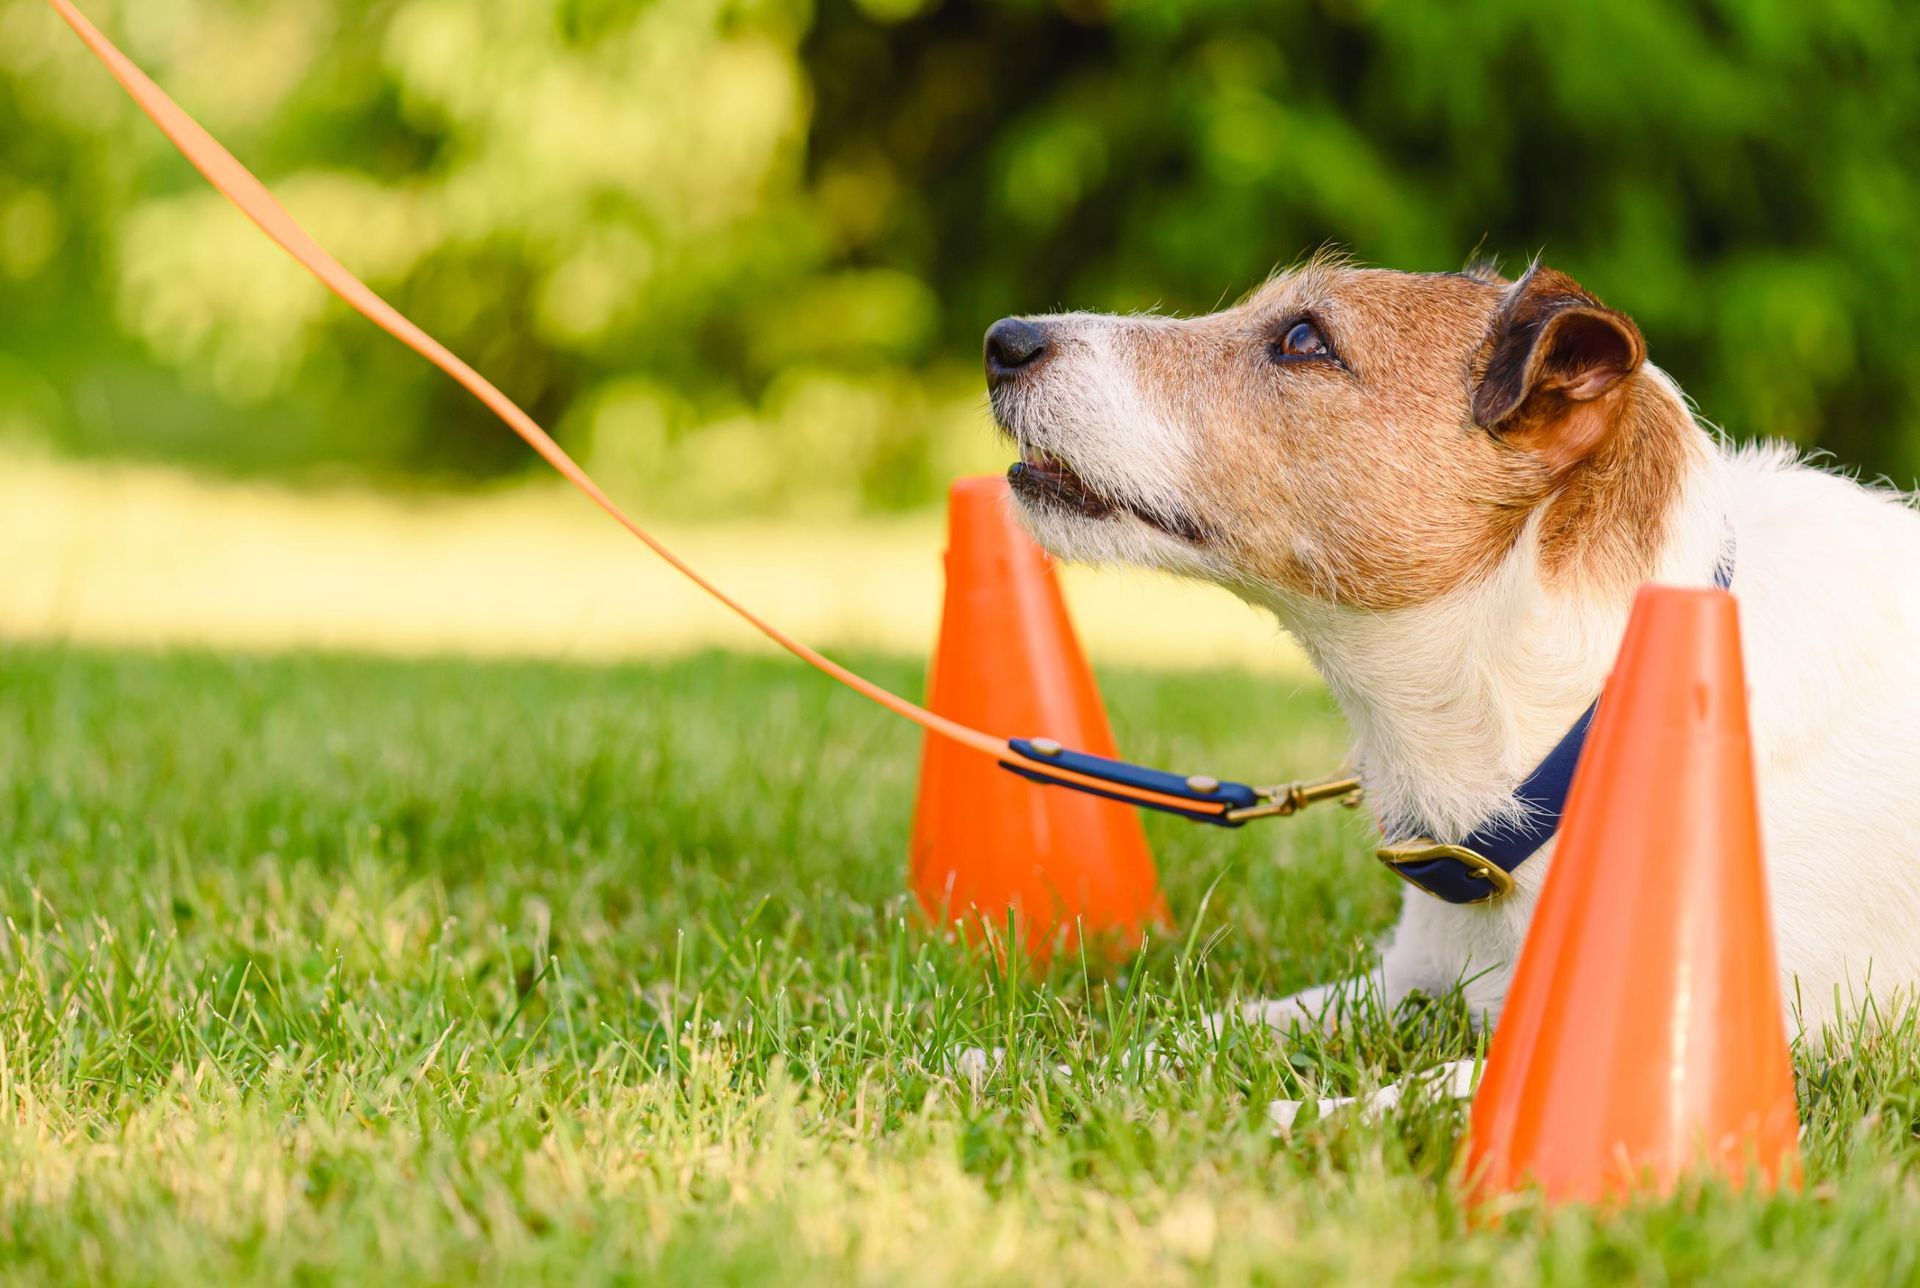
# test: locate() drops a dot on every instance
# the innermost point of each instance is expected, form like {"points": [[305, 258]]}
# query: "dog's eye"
{"points": [[1303, 340]]}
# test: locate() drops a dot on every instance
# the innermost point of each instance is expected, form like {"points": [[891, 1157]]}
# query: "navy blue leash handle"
{"points": [[1196, 796]]}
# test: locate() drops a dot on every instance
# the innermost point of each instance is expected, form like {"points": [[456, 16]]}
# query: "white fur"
{"points": [[1830, 623], [1453, 702]]}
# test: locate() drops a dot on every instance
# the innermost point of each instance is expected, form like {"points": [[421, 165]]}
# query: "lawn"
{"points": [[439, 970]]}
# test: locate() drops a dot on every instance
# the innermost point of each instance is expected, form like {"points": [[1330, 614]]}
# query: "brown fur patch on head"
{"points": [[1406, 460]]}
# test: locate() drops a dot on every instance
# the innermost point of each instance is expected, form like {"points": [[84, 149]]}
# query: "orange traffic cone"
{"points": [[1643, 1034], [986, 842]]}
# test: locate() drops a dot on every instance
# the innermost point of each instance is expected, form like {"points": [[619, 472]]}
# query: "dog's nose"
{"points": [[1013, 346]]}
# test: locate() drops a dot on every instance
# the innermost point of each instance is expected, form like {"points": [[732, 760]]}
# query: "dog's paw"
{"points": [[1444, 1082]]}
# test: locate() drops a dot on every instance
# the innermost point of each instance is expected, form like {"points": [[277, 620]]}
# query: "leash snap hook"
{"points": [[1288, 799]]}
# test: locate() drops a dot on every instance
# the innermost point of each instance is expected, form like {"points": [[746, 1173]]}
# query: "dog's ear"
{"points": [[1555, 353]]}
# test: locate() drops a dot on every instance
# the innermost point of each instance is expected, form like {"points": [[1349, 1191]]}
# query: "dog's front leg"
{"points": [[1435, 948], [1419, 955], [1415, 958], [1323, 1008]]}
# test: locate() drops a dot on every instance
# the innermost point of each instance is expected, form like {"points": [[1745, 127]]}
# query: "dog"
{"points": [[1447, 487]]}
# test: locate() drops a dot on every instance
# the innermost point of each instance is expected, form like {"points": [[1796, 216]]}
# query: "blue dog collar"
{"points": [[1475, 869], [1479, 867]]}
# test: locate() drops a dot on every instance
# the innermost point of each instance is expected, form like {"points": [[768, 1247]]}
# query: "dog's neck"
{"points": [[1452, 703]]}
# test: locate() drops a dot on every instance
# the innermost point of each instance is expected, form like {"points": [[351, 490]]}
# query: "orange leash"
{"points": [[240, 187], [1219, 802]]}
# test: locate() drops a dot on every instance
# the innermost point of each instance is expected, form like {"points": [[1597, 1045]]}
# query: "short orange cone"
{"points": [[1643, 1036], [986, 842]]}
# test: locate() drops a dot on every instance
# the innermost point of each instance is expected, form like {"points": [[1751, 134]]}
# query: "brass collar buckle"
{"points": [[1406, 854]]}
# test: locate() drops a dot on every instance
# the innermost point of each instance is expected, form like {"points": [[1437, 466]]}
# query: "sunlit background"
{"points": [[738, 257]]}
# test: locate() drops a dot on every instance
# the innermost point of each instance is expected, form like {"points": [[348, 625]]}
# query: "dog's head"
{"points": [[1345, 435]]}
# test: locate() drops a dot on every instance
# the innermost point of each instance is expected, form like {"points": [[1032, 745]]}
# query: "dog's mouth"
{"points": [[1043, 480]]}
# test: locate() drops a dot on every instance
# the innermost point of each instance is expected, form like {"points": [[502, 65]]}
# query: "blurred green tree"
{"points": [[740, 251]]}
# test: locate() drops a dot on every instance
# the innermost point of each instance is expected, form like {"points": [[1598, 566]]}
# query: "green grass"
{"points": [[333, 967]]}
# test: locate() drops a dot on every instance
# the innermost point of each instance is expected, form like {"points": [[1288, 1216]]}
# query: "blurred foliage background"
{"points": [[738, 253]]}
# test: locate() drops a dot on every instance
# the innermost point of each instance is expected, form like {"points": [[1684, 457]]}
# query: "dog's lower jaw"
{"points": [[1119, 539]]}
